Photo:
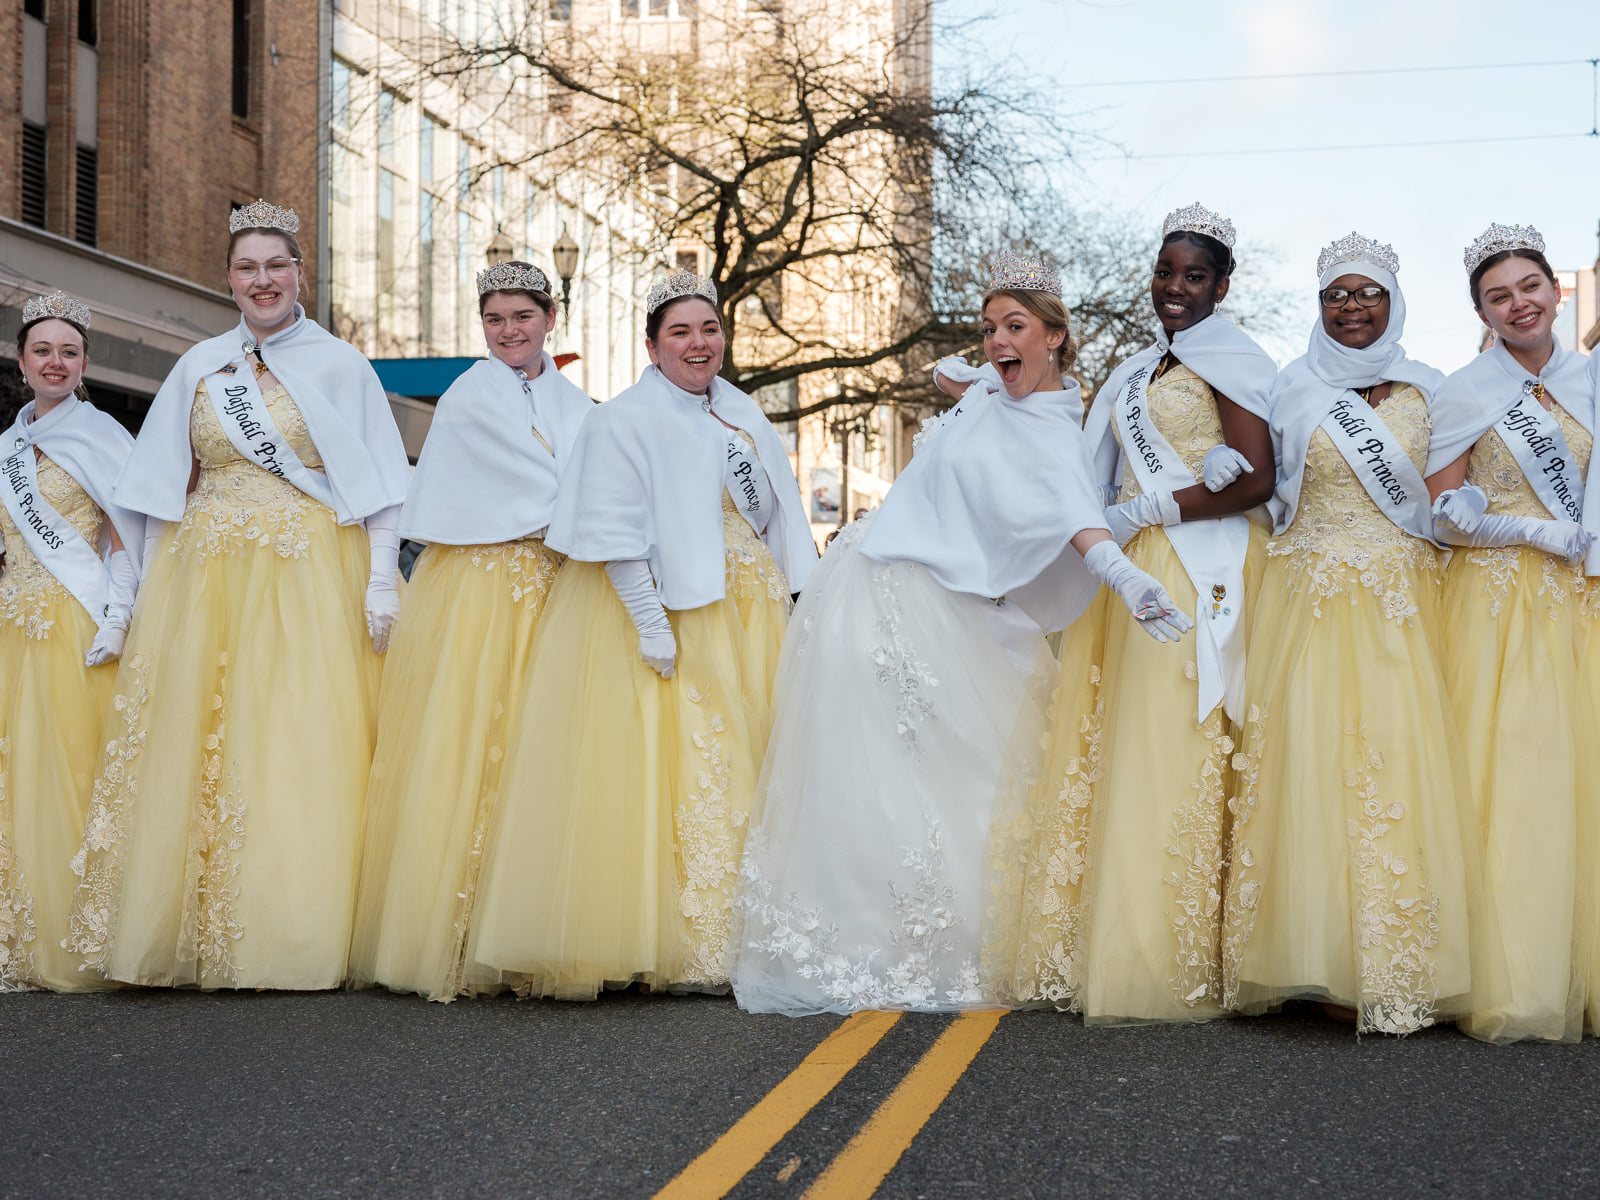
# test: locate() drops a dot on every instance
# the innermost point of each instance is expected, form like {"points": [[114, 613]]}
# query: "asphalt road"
{"points": [[169, 1094]]}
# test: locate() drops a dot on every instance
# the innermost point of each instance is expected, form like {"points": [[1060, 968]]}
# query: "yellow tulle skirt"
{"points": [[52, 708], [1109, 872], [224, 827], [615, 843], [454, 671], [1516, 634], [1354, 876]]}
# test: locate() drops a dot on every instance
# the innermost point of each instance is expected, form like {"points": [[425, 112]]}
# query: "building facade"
{"points": [[133, 128]]}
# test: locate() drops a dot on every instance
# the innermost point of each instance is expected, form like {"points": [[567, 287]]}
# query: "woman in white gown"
{"points": [[915, 651]]}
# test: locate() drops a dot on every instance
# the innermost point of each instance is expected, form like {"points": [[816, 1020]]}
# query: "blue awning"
{"points": [[425, 378]]}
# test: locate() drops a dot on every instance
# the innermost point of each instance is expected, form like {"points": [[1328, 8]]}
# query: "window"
{"points": [[339, 96], [658, 8], [430, 128], [33, 174], [464, 175], [88, 27], [33, 8], [241, 58], [386, 257], [499, 191], [425, 239], [84, 224], [386, 105], [689, 260], [561, 10], [629, 9]]}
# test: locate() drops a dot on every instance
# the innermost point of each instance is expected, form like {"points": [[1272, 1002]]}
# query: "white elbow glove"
{"points": [[383, 584], [154, 527], [1149, 508], [637, 591], [1461, 517], [108, 642], [1223, 464], [1146, 599]]}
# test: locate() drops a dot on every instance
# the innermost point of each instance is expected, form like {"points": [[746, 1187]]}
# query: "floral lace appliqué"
{"points": [[1397, 910], [527, 566], [1184, 409], [926, 910], [17, 930], [1495, 469], [709, 841], [100, 861], [1196, 876], [1243, 888], [29, 593], [896, 662], [1340, 542]]}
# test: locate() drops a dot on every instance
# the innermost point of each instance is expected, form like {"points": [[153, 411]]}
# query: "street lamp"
{"points": [[565, 255], [500, 248]]}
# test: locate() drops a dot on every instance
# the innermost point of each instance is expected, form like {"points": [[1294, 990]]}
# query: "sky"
{"points": [[1153, 147]]}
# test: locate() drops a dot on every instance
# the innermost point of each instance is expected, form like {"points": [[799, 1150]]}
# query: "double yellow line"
{"points": [[869, 1157]]}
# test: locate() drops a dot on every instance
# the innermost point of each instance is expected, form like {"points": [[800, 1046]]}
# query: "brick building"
{"points": [[131, 129]]}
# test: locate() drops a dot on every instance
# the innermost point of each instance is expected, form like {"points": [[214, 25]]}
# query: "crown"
{"points": [[57, 304], [682, 282], [512, 277], [262, 215], [1199, 219], [1357, 249], [1013, 272], [1502, 237]]}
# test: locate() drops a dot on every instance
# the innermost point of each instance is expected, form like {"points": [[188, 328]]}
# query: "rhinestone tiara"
{"points": [[682, 282], [262, 215], [1014, 272], [512, 277], [1199, 219], [56, 304], [1502, 237], [1357, 249]]}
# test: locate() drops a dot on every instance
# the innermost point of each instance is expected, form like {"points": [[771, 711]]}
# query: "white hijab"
{"points": [[91, 447], [993, 499], [337, 391], [1307, 388], [645, 481], [1216, 349], [483, 477]]}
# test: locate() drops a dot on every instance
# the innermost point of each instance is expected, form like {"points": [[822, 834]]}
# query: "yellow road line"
{"points": [[736, 1153], [863, 1164]]}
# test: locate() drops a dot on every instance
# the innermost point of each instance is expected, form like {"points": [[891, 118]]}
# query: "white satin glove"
{"points": [[1223, 464], [1459, 517], [637, 591], [154, 527], [1148, 508], [1146, 599], [383, 584], [113, 633]]}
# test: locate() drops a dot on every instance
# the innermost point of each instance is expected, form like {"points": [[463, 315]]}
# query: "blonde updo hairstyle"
{"points": [[1051, 311]]}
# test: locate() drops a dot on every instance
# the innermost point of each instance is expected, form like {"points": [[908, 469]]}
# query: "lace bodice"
{"points": [[237, 502], [1184, 409], [1340, 538], [752, 570], [27, 589], [1494, 468]]}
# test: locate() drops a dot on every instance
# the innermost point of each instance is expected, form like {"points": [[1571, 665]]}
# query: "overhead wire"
{"points": [[1554, 62]]}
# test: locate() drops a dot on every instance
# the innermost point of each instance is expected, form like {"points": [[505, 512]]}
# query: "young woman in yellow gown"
{"points": [[1516, 634], [67, 583], [481, 499], [223, 832], [614, 847], [1112, 863], [1354, 875]]}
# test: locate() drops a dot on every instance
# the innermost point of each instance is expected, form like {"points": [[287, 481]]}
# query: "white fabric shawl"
{"points": [[993, 499], [1307, 388], [1215, 349], [645, 481], [483, 477], [91, 447], [1480, 393], [338, 394]]}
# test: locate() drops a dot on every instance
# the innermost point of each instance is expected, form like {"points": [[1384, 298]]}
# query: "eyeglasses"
{"points": [[244, 270], [1367, 297]]}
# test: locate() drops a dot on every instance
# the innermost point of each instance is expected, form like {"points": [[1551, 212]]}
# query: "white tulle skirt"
{"points": [[863, 882]]}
